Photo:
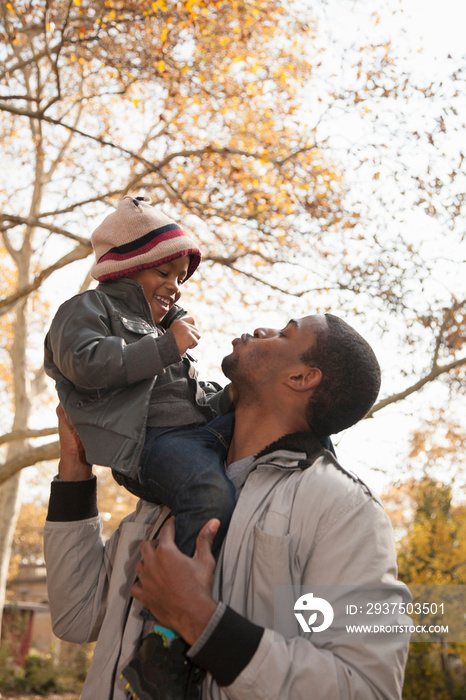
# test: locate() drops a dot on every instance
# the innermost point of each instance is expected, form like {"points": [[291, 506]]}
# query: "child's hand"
{"points": [[186, 334]]}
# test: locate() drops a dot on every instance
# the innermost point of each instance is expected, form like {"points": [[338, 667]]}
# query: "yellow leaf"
{"points": [[161, 66], [77, 2]]}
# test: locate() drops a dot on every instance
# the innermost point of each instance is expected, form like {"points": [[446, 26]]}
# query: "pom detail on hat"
{"points": [[137, 236]]}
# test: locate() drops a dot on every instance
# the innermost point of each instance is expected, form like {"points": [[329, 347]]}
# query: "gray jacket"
{"points": [[300, 521], [109, 360]]}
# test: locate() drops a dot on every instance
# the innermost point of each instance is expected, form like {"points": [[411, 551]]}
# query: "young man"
{"points": [[301, 520]]}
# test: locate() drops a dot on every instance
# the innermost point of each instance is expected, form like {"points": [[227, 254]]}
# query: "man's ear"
{"points": [[304, 378]]}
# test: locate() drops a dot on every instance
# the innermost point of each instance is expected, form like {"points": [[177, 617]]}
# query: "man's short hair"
{"points": [[350, 378]]}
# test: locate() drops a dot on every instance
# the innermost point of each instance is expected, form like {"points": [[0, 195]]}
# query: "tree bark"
{"points": [[10, 504]]}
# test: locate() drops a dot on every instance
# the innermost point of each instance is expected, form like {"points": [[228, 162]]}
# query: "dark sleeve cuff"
{"points": [[230, 647], [174, 314], [168, 349], [72, 500]]}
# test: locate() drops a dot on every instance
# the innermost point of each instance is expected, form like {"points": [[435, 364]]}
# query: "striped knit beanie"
{"points": [[135, 237]]}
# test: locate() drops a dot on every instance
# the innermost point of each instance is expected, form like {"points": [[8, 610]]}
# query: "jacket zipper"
{"points": [[125, 620]]}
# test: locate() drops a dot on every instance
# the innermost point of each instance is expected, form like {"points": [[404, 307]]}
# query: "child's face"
{"points": [[161, 285]]}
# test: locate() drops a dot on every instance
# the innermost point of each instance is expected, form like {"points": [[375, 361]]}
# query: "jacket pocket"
{"points": [[271, 573], [138, 326]]}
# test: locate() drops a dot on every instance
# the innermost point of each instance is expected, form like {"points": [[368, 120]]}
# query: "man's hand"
{"points": [[72, 465], [186, 334], [178, 589]]}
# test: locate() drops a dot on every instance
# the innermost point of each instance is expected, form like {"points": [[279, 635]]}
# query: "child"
{"points": [[118, 356]]}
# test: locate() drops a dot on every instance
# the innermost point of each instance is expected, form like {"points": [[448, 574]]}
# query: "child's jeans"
{"points": [[184, 468]]}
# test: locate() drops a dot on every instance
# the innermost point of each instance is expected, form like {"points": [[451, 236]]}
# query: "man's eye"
{"points": [[162, 273]]}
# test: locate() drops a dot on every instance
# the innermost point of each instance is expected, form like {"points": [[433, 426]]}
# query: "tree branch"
{"points": [[229, 262], [26, 433], [19, 66], [37, 223], [79, 253], [92, 200], [39, 115], [435, 372], [28, 458]]}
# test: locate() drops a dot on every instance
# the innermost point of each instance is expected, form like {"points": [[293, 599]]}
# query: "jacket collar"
{"points": [[129, 291], [132, 294], [304, 444], [300, 451]]}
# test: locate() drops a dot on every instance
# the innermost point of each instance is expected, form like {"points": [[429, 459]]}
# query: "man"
{"points": [[301, 520]]}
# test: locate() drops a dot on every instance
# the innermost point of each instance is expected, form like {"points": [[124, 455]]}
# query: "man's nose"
{"points": [[264, 333]]}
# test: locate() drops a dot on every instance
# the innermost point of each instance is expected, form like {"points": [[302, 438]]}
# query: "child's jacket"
{"points": [[108, 358]]}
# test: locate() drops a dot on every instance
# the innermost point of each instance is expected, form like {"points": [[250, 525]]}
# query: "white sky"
{"points": [[439, 23], [430, 30]]}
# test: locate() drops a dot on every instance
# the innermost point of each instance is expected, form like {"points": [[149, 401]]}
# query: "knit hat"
{"points": [[135, 237]]}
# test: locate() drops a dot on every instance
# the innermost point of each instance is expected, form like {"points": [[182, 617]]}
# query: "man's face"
{"points": [[268, 352]]}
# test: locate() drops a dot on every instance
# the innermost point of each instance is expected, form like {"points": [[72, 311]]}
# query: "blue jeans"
{"points": [[184, 468]]}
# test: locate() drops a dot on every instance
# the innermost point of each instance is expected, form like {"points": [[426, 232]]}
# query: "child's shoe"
{"points": [[162, 671]]}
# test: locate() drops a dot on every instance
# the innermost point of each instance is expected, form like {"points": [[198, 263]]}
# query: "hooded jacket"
{"points": [[301, 520]]}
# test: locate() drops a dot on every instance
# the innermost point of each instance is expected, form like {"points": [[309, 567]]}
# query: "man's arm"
{"points": [[73, 548]]}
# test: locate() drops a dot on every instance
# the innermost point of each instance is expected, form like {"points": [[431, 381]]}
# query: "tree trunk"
{"points": [[9, 509], [10, 495]]}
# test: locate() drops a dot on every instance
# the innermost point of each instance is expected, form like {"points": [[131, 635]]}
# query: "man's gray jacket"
{"points": [[301, 521]]}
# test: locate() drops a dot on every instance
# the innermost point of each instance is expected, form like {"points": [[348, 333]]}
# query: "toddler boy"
{"points": [[118, 356]]}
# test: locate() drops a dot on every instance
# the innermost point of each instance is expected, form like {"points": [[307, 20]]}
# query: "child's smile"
{"points": [[161, 285]]}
